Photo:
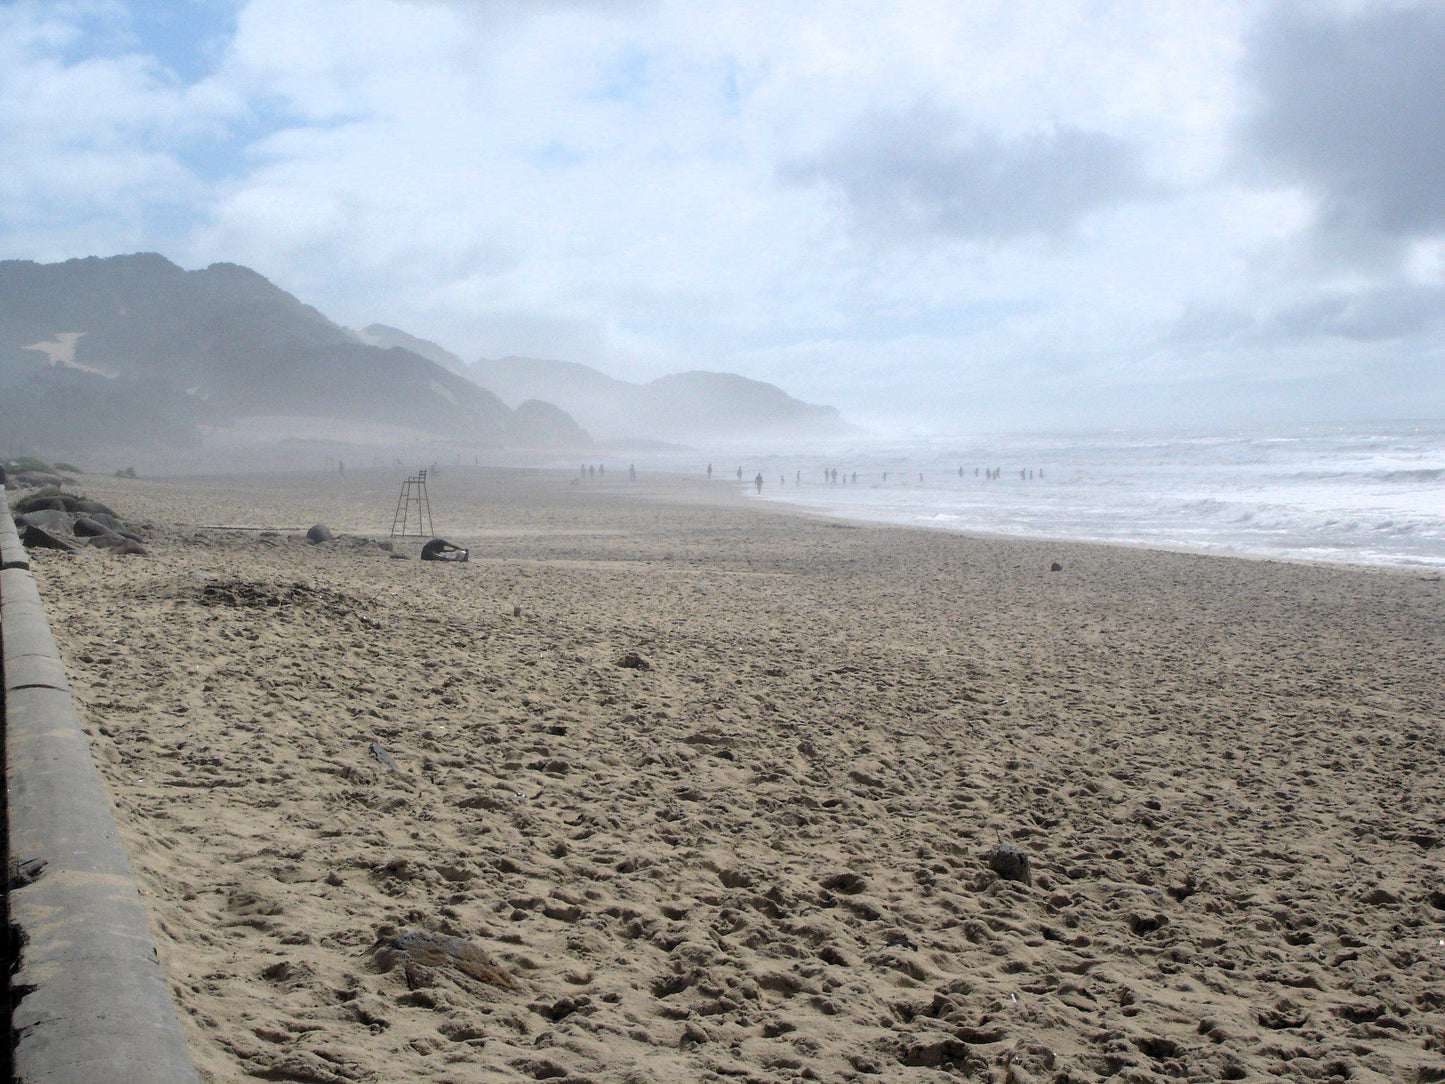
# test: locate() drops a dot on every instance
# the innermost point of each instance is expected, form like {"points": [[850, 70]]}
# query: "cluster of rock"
{"points": [[60, 521]]}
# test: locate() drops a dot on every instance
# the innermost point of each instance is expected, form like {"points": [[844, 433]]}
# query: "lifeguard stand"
{"points": [[413, 497]]}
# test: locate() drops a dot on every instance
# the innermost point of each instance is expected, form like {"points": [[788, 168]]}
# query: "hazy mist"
{"points": [[929, 215]]}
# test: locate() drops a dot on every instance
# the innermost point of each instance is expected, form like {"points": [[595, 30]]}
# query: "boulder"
{"points": [[59, 502], [85, 527], [93, 508], [107, 519], [33, 478], [50, 519], [117, 544], [1010, 863], [439, 549], [38, 538], [319, 533]]}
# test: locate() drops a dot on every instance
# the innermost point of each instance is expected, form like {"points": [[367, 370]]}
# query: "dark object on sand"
{"points": [[38, 538], [381, 756], [1010, 863], [847, 884], [439, 549], [46, 500], [1056, 567], [51, 519], [114, 524], [34, 479], [426, 956], [85, 527], [117, 544], [319, 532], [633, 661]]}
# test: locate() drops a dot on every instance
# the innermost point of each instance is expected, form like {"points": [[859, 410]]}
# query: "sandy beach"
{"points": [[663, 785]]}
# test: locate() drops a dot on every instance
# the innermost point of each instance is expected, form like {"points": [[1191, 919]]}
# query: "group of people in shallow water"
{"points": [[597, 470], [831, 475]]}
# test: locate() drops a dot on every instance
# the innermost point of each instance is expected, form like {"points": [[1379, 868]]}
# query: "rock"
{"points": [[381, 756], [118, 545], [633, 661], [93, 508], [107, 519], [439, 549], [128, 472], [59, 502], [85, 527], [849, 884], [425, 956], [38, 538], [30, 479], [319, 533], [1010, 863], [51, 519], [1056, 567]]}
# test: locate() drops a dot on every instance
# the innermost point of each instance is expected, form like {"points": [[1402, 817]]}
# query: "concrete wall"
{"points": [[90, 1002]]}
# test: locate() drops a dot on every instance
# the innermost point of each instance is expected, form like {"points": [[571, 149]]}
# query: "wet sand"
{"points": [[764, 856]]}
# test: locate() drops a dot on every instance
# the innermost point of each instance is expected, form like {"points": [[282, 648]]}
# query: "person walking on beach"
{"points": [[758, 481], [709, 472]]}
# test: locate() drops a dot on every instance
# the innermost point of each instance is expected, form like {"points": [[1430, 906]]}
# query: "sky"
{"points": [[937, 215]]}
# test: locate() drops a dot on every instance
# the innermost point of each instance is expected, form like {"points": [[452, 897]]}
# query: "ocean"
{"points": [[1362, 494]]}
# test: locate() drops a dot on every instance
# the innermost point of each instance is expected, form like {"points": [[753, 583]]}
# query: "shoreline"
{"points": [[685, 489], [765, 854]]}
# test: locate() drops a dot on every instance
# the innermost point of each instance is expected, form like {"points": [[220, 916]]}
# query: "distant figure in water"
{"points": [[709, 472], [855, 478], [920, 476], [798, 479], [591, 471], [740, 474], [601, 470], [632, 471], [1021, 474], [782, 480], [960, 472], [885, 478], [758, 481], [1041, 474], [341, 466]]}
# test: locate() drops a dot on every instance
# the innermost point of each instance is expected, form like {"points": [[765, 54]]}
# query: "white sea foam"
{"points": [[1361, 494]]}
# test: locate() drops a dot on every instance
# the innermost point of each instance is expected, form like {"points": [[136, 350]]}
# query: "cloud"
{"points": [[918, 173], [905, 206], [1349, 107]]}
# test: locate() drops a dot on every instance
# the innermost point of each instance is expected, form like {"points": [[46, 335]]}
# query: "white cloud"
{"points": [[618, 183]]}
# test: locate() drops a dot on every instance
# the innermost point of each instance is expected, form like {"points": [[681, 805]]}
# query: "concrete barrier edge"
{"points": [[89, 999]]}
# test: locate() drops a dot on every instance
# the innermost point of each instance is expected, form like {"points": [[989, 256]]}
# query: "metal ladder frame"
{"points": [[413, 492]]}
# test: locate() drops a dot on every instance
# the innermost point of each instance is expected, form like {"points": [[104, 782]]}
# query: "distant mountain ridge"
{"points": [[683, 407], [137, 350], [140, 340], [387, 337]]}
